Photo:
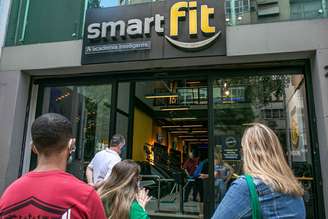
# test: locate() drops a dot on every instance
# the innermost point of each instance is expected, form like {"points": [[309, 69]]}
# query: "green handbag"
{"points": [[255, 204]]}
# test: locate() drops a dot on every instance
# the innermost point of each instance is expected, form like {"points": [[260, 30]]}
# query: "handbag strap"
{"points": [[255, 204]]}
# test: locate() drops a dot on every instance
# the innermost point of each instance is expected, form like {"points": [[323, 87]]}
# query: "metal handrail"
{"points": [[159, 187], [159, 180]]}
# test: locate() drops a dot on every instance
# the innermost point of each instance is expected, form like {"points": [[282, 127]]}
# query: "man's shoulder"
{"points": [[76, 184], [106, 153], [100, 153], [58, 180], [113, 155], [14, 185]]}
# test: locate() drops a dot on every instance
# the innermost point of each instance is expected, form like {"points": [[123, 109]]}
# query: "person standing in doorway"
{"points": [[103, 162], [48, 191], [190, 166]]}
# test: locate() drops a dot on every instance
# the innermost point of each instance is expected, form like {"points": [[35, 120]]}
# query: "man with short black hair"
{"points": [[101, 165], [48, 191]]}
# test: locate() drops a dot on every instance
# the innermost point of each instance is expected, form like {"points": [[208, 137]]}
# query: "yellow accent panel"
{"points": [[205, 25], [175, 13], [142, 133], [192, 18], [193, 4]]}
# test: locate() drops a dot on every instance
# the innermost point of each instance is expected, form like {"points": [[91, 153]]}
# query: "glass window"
{"points": [[88, 108], [306, 9], [263, 11], [34, 22], [113, 3], [268, 113], [277, 101], [122, 114], [275, 114], [105, 3], [123, 98], [122, 125]]}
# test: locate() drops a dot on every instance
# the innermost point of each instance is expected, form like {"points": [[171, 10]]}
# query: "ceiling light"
{"points": [[193, 82], [156, 96], [179, 132], [193, 136], [184, 118], [174, 108], [171, 126], [182, 126], [192, 126], [199, 131], [186, 136]]}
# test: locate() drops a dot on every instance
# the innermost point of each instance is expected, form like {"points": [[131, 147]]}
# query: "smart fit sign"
{"points": [[158, 30]]}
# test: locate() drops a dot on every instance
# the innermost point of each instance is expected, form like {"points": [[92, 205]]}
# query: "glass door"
{"points": [[89, 109], [278, 101], [170, 142]]}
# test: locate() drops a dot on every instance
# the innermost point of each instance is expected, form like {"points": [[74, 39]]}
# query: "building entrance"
{"points": [[186, 133], [170, 140]]}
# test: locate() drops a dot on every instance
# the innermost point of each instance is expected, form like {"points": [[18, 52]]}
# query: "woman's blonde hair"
{"points": [[264, 159], [120, 190]]}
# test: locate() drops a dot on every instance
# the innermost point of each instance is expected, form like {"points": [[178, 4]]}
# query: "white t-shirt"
{"points": [[103, 163]]}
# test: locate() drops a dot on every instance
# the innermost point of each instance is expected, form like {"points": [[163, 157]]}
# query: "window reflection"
{"points": [[112, 3], [104, 3], [88, 108], [261, 11], [278, 101]]}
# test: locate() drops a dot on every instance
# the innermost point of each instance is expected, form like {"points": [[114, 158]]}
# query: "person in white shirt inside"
{"points": [[101, 165]]}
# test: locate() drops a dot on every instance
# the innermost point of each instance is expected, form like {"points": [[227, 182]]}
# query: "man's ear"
{"points": [[71, 145], [34, 149]]}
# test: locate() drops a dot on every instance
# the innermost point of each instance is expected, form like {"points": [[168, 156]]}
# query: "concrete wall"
{"points": [[320, 91], [280, 37], [14, 89], [41, 56]]}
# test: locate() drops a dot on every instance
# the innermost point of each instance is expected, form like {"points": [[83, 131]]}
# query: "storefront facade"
{"points": [[172, 77]]}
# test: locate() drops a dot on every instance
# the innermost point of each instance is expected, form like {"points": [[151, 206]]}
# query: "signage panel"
{"points": [[156, 30]]}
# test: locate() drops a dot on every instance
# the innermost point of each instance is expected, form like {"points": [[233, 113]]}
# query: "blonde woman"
{"points": [[121, 195], [279, 192]]}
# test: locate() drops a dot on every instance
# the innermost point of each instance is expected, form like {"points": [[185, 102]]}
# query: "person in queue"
{"points": [[279, 192], [121, 195], [48, 191], [101, 165]]}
